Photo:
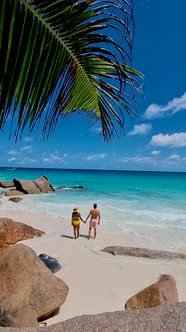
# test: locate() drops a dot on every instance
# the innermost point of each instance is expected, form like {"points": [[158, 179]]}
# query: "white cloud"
{"points": [[76, 156], [53, 156], [27, 139], [174, 156], [157, 111], [26, 148], [46, 159], [174, 140], [173, 162], [155, 152], [11, 159], [95, 130], [12, 152], [142, 129], [136, 159], [97, 156]]}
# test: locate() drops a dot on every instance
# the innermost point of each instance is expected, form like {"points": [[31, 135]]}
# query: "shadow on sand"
{"points": [[53, 314], [72, 237]]}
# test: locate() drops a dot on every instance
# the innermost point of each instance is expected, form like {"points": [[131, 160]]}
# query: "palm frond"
{"points": [[58, 57]]}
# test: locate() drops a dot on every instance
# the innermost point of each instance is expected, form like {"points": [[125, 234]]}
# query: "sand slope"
{"points": [[98, 282]]}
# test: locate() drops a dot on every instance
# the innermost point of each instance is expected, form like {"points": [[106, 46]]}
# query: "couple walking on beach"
{"points": [[94, 216]]}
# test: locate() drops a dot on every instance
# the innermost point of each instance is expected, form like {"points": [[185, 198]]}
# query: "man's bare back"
{"points": [[94, 216], [95, 213]]}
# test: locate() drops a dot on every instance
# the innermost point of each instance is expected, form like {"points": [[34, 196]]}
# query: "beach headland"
{"points": [[98, 282]]}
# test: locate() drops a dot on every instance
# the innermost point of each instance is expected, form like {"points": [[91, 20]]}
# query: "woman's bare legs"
{"points": [[78, 228], [75, 232]]}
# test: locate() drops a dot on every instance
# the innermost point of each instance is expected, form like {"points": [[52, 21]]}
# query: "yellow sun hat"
{"points": [[76, 209]]}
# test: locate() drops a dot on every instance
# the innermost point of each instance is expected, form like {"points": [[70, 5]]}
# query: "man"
{"points": [[94, 216]]}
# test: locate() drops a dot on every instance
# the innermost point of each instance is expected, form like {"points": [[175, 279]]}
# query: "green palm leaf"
{"points": [[58, 57]]}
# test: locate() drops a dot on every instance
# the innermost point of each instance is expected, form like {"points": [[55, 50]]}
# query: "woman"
{"points": [[76, 217]]}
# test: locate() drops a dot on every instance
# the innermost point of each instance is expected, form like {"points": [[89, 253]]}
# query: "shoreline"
{"points": [[98, 281]]}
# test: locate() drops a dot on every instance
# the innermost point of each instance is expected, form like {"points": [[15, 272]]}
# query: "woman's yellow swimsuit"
{"points": [[76, 222]]}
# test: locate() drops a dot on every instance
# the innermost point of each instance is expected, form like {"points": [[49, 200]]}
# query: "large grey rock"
{"points": [[26, 186], [14, 192], [16, 312], [161, 292], [60, 188], [78, 187], [6, 184], [74, 187], [51, 262], [38, 186], [143, 252], [14, 231], [15, 199], [25, 282], [165, 318], [44, 185]]}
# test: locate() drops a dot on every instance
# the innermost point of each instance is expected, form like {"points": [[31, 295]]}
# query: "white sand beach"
{"points": [[98, 282]]}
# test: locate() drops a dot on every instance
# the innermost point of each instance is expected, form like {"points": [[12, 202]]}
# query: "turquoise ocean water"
{"points": [[124, 197]]}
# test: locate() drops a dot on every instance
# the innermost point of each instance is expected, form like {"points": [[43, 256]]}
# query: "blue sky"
{"points": [[154, 141]]}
